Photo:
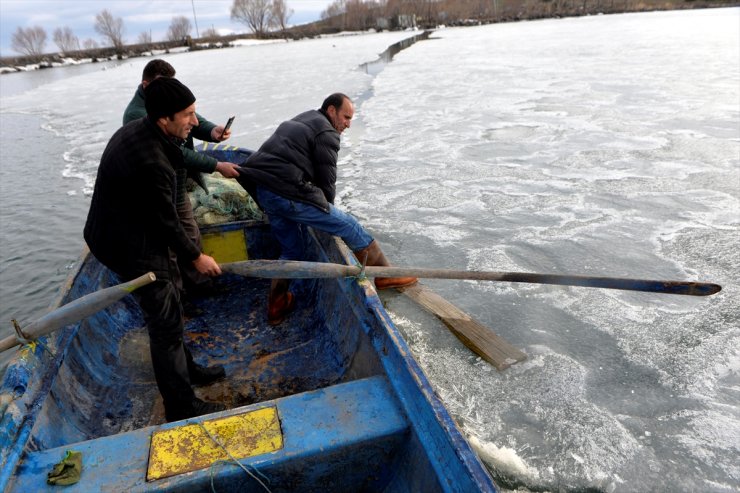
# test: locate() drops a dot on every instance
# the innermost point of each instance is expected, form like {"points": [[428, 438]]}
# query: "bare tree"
{"points": [[145, 38], [256, 14], [427, 11], [90, 44], [66, 40], [211, 32], [352, 14], [109, 27], [335, 13], [29, 41], [337, 7], [280, 14], [357, 14], [179, 28]]}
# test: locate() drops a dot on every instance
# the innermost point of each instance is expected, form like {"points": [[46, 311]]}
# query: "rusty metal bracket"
{"points": [[361, 275], [19, 335]]}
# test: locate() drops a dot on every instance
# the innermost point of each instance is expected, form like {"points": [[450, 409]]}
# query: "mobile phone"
{"points": [[228, 125]]}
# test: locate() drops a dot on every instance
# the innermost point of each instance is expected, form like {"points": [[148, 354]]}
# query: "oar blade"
{"points": [[688, 288]]}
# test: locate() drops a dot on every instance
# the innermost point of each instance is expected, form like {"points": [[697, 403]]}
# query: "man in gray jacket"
{"points": [[293, 179]]}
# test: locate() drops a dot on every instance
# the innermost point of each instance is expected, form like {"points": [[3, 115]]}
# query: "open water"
{"points": [[604, 145]]}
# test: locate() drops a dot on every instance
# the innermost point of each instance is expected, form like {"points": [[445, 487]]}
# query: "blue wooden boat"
{"points": [[330, 400]]}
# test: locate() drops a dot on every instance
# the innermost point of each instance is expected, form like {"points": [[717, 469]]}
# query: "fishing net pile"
{"points": [[224, 202]]}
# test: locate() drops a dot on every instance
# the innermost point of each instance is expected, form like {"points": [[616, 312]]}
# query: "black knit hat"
{"points": [[165, 96]]}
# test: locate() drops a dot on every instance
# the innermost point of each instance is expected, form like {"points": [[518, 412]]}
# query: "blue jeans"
{"points": [[286, 217]]}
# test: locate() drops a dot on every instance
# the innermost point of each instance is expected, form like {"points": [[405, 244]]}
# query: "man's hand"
{"points": [[229, 170], [216, 134], [207, 265]]}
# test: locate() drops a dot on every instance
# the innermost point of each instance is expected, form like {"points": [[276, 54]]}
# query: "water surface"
{"points": [[605, 145]]}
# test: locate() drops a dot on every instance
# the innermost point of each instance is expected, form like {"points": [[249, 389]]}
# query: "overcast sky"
{"points": [[138, 16]]}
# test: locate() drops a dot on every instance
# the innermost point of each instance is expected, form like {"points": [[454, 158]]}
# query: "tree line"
{"points": [[267, 17], [393, 14], [258, 15]]}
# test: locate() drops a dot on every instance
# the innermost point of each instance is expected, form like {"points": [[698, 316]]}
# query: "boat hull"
{"points": [[354, 411]]}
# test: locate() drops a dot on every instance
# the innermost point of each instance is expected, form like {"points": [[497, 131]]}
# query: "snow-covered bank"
{"points": [[60, 60]]}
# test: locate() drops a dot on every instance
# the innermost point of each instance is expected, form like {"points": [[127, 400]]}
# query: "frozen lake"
{"points": [[605, 146]]}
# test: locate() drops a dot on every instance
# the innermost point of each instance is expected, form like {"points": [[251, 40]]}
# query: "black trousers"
{"points": [[160, 302], [190, 279]]}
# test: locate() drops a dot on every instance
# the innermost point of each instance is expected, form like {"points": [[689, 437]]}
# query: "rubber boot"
{"points": [[375, 257], [202, 375], [280, 301]]}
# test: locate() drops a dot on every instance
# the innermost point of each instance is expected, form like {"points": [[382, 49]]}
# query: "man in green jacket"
{"points": [[196, 163]]}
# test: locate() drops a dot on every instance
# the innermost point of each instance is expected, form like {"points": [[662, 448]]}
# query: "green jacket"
{"points": [[194, 162]]}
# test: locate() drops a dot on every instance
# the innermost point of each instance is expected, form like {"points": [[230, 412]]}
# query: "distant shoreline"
{"points": [[52, 60], [25, 63]]}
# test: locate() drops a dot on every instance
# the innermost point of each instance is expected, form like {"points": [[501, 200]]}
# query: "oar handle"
{"points": [[290, 269], [78, 309]]}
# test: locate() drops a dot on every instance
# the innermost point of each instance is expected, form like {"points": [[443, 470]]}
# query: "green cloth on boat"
{"points": [[68, 471]]}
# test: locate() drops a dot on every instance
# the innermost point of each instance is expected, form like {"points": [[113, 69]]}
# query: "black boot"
{"points": [[204, 375], [375, 256]]}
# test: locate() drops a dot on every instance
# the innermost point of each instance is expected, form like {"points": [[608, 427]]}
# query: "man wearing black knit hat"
{"points": [[192, 282], [132, 224]]}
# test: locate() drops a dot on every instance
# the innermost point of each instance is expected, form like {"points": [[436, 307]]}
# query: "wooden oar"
{"points": [[290, 269], [76, 310]]}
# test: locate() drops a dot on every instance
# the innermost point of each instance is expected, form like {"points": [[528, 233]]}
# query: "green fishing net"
{"points": [[224, 202]]}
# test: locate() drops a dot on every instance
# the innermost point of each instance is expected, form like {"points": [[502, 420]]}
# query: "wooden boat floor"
{"points": [[262, 362]]}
